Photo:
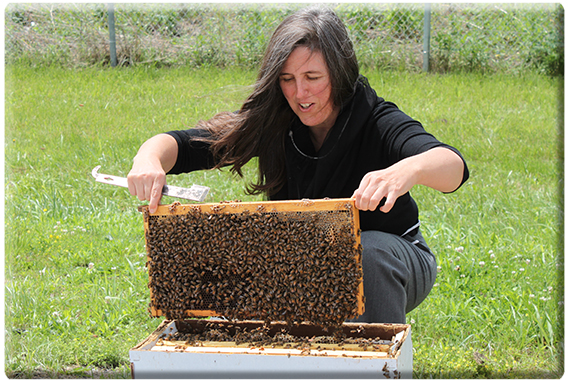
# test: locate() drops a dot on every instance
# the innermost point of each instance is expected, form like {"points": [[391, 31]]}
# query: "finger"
{"points": [[353, 196], [365, 202], [372, 196], [136, 187], [359, 193], [155, 195], [389, 202], [356, 197], [378, 199], [131, 185], [141, 192]]}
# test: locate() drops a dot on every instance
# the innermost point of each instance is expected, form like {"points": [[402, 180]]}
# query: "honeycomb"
{"points": [[290, 261], [348, 337]]}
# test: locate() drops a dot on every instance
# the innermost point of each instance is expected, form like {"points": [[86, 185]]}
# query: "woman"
{"points": [[319, 130]]}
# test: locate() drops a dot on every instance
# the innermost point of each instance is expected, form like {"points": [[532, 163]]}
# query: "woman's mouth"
{"points": [[305, 106]]}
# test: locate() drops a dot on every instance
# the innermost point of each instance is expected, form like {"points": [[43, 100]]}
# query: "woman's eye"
{"points": [[285, 79]]}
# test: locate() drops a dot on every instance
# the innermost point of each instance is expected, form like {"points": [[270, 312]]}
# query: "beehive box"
{"points": [[294, 267], [384, 351], [290, 261]]}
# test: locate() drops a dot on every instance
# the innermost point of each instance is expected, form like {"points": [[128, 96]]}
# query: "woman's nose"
{"points": [[301, 88]]}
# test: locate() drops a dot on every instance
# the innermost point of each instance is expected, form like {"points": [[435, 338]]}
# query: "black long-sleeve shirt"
{"points": [[369, 134]]}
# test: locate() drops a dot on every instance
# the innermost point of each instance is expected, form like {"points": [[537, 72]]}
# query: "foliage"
{"points": [[497, 38], [464, 37]]}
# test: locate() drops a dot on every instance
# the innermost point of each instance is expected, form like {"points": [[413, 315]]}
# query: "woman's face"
{"points": [[306, 85]]}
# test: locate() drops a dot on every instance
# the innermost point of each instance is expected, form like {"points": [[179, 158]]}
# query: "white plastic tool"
{"points": [[194, 193]]}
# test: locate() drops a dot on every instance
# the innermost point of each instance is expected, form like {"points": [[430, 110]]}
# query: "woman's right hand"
{"points": [[146, 180], [148, 173]]}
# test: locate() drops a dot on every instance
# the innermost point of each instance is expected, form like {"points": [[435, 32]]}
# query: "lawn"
{"points": [[75, 284]]}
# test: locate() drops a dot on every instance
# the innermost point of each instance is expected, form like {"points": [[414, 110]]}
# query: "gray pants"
{"points": [[398, 276]]}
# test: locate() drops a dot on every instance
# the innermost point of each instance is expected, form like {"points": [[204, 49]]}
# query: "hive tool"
{"points": [[194, 193]]}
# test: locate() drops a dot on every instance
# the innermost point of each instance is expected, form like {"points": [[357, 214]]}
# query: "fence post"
{"points": [[427, 27], [112, 43]]}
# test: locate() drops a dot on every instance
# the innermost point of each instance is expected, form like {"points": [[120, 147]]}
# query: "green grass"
{"points": [[76, 291]]}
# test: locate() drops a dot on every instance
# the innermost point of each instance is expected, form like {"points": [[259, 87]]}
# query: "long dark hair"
{"points": [[260, 127]]}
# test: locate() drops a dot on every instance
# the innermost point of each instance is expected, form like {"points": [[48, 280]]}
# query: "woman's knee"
{"points": [[379, 251], [392, 264]]}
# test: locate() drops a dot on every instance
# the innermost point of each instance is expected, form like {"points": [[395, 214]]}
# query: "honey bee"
{"points": [[246, 265]]}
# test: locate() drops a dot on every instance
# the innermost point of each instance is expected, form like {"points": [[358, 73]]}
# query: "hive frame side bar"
{"points": [[356, 225]]}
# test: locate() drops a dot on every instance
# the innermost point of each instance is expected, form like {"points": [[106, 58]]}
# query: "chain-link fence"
{"points": [[471, 37]]}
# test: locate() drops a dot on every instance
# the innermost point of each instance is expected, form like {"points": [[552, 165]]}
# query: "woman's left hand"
{"points": [[388, 184], [439, 168]]}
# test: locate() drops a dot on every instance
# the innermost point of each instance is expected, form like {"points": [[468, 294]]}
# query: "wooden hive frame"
{"points": [[333, 220]]}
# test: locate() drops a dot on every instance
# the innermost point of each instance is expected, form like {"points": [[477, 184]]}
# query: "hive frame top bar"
{"points": [[261, 206]]}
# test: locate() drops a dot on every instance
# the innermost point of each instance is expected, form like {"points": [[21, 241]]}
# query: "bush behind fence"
{"points": [[464, 37]]}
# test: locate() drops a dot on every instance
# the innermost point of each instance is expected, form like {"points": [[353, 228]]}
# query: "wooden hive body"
{"points": [[388, 353]]}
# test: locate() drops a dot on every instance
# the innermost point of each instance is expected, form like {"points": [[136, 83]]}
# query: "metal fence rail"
{"points": [[473, 37]]}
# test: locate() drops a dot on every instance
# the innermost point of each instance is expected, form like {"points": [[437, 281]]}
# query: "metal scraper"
{"points": [[194, 193]]}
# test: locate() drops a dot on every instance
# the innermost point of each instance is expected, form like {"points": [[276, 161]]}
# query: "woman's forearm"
{"points": [[147, 177], [439, 168], [162, 148]]}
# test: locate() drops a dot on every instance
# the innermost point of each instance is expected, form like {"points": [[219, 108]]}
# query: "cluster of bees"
{"points": [[270, 266], [264, 336]]}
